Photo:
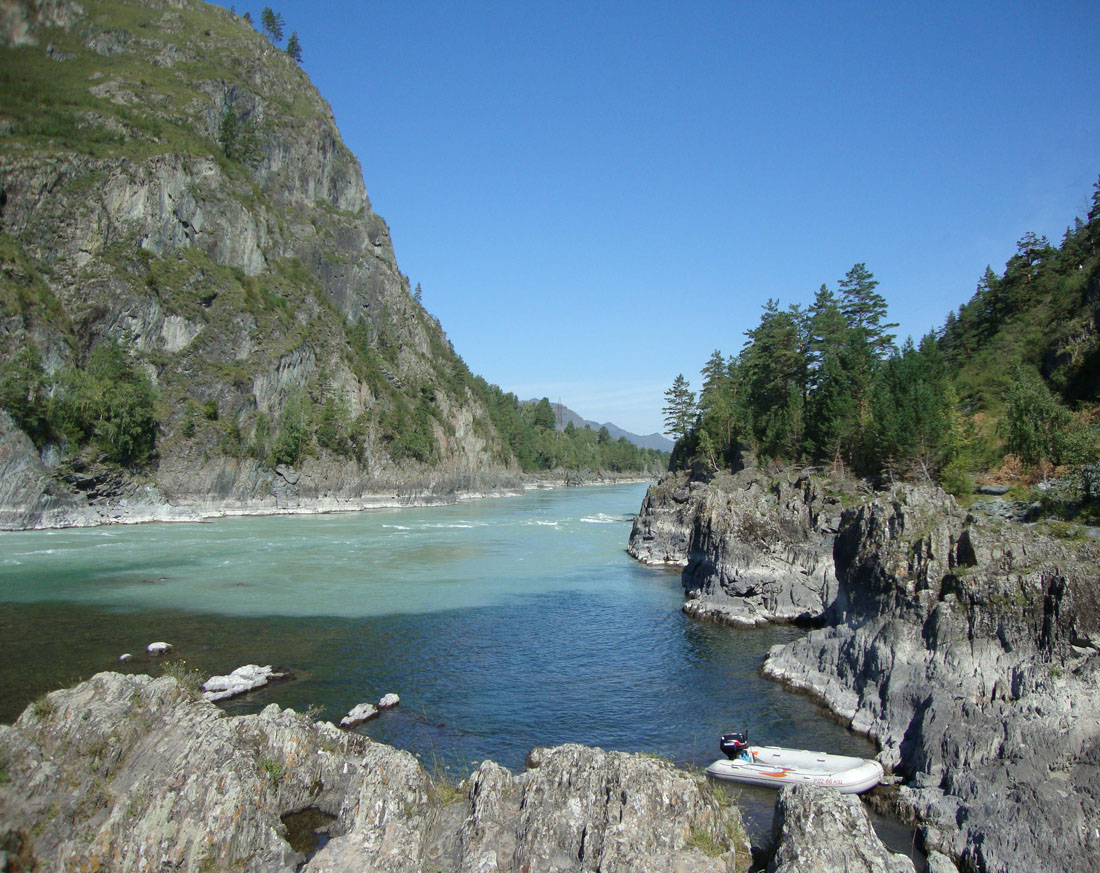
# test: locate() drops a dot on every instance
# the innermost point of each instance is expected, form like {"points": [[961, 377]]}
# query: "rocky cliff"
{"points": [[967, 647], [970, 651], [755, 548], [173, 183], [130, 773]]}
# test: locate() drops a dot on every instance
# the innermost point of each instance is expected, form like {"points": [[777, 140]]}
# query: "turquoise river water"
{"points": [[503, 624]]}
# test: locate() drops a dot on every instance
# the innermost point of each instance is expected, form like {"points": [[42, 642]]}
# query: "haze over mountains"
{"points": [[565, 415]]}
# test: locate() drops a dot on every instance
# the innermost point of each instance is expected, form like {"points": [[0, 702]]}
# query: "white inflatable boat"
{"points": [[776, 766]]}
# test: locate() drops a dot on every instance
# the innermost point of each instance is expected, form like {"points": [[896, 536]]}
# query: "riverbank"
{"points": [[122, 769], [283, 491], [967, 647]]}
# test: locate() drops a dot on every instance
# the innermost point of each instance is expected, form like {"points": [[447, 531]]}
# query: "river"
{"points": [[503, 624]]}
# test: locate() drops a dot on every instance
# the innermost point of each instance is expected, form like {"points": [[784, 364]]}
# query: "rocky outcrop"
{"points": [[130, 773], [755, 548], [970, 650], [662, 529], [817, 830], [29, 497], [761, 549]]}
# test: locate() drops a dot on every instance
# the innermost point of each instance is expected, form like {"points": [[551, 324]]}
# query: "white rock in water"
{"points": [[126, 657], [359, 714], [388, 701], [158, 648], [242, 679]]}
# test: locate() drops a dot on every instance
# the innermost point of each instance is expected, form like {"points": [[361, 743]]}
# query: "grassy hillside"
{"points": [[1041, 311]]}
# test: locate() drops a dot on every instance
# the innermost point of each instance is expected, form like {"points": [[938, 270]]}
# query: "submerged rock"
{"points": [[129, 773], [818, 830], [241, 680]]}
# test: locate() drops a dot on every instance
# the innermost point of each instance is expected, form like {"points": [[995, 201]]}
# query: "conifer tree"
{"points": [[865, 308], [272, 24], [294, 47], [679, 409], [827, 330], [1036, 425], [775, 371]]}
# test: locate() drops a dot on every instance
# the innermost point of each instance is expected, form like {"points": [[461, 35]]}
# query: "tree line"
{"points": [[272, 25], [828, 385]]}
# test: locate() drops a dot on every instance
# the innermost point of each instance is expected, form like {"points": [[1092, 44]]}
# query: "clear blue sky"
{"points": [[594, 196]]}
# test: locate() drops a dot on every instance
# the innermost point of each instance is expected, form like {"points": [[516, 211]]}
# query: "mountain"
{"points": [[199, 307], [565, 415]]}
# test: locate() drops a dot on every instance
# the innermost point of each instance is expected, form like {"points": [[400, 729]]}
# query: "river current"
{"points": [[503, 624]]}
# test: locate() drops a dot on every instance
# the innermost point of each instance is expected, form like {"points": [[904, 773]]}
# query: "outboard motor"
{"points": [[734, 744]]}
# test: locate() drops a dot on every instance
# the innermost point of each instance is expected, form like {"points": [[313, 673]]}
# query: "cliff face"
{"points": [[971, 652], [128, 773], [171, 181], [754, 548]]}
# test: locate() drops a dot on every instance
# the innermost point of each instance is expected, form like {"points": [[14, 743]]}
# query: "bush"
{"points": [[955, 480]]}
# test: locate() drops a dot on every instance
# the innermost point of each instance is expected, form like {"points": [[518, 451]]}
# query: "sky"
{"points": [[595, 196]]}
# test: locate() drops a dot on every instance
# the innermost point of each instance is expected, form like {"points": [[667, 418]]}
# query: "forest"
{"points": [[1010, 380]]}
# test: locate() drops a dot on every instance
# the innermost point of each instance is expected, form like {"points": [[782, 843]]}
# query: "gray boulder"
{"points": [[818, 830], [661, 531], [755, 548], [240, 681], [358, 714]]}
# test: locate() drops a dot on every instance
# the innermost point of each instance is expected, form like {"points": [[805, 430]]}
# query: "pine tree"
{"points": [[544, 417], [294, 47], [715, 381], [865, 308], [775, 371], [272, 24], [827, 330], [718, 427], [679, 409]]}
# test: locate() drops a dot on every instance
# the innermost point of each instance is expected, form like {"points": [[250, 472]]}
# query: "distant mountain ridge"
{"points": [[565, 415]]}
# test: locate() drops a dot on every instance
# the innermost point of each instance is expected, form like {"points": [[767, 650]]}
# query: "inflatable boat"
{"points": [[776, 766]]}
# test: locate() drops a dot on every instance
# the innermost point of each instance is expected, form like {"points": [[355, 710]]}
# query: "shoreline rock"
{"points": [[21, 510], [817, 830], [121, 769], [967, 647], [754, 548], [970, 651]]}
